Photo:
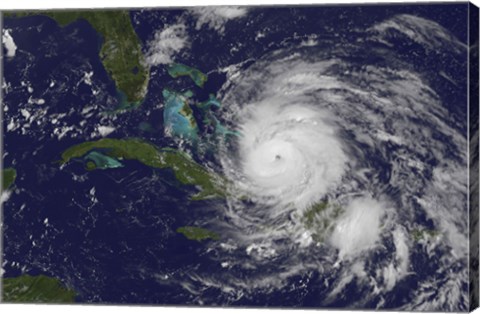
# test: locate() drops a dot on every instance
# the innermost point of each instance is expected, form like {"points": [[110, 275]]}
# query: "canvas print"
{"points": [[319, 157]]}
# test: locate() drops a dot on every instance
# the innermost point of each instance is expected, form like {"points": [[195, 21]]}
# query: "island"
{"points": [[423, 234], [319, 219], [8, 178], [309, 217], [186, 170], [177, 69], [178, 117], [35, 289], [121, 50], [210, 119], [197, 234]]}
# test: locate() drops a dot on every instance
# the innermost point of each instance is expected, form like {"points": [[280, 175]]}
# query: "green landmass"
{"points": [[8, 178], [420, 234], [187, 112], [177, 69], [90, 165], [186, 170], [121, 51], [319, 219], [35, 289], [310, 215], [197, 234]]}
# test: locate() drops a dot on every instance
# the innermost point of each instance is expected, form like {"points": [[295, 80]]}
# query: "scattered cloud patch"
{"points": [[105, 130], [217, 17], [427, 33], [166, 43], [9, 44]]}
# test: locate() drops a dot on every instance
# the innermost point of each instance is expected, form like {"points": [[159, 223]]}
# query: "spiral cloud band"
{"points": [[373, 141]]}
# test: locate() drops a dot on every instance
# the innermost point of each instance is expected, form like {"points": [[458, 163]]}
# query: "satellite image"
{"points": [[295, 157]]}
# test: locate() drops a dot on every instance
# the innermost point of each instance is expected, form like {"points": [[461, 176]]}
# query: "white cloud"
{"points": [[398, 269], [105, 130], [5, 195], [217, 17], [166, 43], [359, 228], [424, 32], [445, 203], [7, 40]]}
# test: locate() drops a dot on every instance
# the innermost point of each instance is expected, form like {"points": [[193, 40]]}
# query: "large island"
{"points": [[35, 289], [186, 170], [8, 178]]}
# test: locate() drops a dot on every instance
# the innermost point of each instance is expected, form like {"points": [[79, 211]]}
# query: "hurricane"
{"points": [[332, 169], [287, 156], [289, 151]]}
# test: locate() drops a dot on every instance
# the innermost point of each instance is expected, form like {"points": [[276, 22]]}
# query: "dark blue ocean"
{"points": [[110, 234]]}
